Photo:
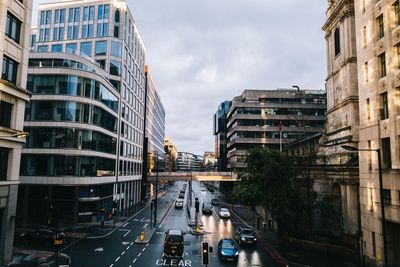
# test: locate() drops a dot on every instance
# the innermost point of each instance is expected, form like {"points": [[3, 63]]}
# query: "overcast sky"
{"points": [[202, 52]]}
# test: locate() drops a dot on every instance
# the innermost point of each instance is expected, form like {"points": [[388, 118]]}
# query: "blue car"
{"points": [[227, 250]]}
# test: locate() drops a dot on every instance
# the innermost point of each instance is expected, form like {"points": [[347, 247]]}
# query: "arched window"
{"points": [[337, 41]]}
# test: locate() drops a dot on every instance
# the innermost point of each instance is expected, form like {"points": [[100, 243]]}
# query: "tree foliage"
{"points": [[267, 181]]}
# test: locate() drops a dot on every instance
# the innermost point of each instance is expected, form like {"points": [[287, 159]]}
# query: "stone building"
{"points": [[15, 18]]}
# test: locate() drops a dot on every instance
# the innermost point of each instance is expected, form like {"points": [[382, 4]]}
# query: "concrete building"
{"points": [[89, 133], [189, 162], [271, 118], [220, 132], [15, 17]]}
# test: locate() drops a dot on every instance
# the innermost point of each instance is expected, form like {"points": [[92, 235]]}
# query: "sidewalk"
{"points": [[287, 252]]}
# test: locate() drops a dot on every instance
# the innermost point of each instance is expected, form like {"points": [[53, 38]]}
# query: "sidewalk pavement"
{"points": [[285, 252]]}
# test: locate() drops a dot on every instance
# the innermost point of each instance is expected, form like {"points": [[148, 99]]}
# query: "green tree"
{"points": [[267, 181]]}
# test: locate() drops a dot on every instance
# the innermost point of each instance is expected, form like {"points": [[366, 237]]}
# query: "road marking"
{"points": [[111, 265], [99, 249], [147, 244], [134, 260], [123, 252], [135, 220], [139, 254], [143, 249], [142, 219], [125, 225], [128, 247], [127, 233], [144, 226], [117, 259], [125, 243]]}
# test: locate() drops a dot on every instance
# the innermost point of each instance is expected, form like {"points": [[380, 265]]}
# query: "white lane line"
{"points": [[142, 219], [147, 244], [139, 254], [127, 233], [131, 243], [128, 248], [143, 249], [117, 259], [123, 252], [144, 226], [125, 225], [111, 265], [134, 260]]}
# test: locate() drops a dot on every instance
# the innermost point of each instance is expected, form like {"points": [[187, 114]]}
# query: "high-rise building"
{"points": [[86, 116], [220, 132], [189, 162], [15, 18], [271, 118]]}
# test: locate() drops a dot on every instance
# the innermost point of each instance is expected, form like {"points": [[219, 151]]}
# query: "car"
{"points": [[203, 189], [42, 237], [206, 208], [224, 213], [227, 250], [179, 203], [245, 236], [181, 195], [215, 202], [182, 191], [174, 243], [210, 188]]}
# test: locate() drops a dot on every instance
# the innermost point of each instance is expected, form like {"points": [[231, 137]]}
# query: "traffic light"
{"points": [[204, 253]]}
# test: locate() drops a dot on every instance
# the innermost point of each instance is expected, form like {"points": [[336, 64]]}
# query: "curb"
{"points": [[274, 254], [117, 227]]}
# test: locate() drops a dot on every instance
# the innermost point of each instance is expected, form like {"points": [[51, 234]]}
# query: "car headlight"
{"points": [[236, 253], [223, 253], [255, 239], [243, 239]]}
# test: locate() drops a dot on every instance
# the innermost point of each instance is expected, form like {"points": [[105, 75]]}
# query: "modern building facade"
{"points": [[189, 162], [271, 118], [15, 17], [220, 132], [87, 114]]}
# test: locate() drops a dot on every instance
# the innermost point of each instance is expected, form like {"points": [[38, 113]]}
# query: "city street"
{"points": [[119, 249]]}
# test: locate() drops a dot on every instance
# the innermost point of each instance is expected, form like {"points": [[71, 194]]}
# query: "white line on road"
{"points": [[142, 219], [134, 260], [143, 249], [127, 247], [127, 233], [131, 243], [123, 252], [147, 244], [139, 254], [117, 259], [144, 226], [111, 265], [125, 225]]}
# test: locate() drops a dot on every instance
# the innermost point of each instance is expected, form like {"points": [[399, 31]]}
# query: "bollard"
{"points": [[141, 236], [197, 229]]}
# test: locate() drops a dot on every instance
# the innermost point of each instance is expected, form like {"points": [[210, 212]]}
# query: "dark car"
{"points": [[215, 202], [245, 236], [206, 208], [210, 188], [174, 243], [41, 237], [181, 195], [227, 250]]}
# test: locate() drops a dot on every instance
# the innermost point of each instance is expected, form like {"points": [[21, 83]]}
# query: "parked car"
{"points": [[227, 250], [215, 202], [179, 203], [174, 243], [181, 195], [203, 189], [206, 208], [210, 188], [224, 213], [245, 236]]}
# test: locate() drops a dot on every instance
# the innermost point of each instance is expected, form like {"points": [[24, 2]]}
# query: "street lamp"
{"points": [[351, 148], [156, 194]]}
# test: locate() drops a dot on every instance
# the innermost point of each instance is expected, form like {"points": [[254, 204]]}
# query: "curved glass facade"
{"points": [[60, 165], [58, 62], [40, 137], [70, 111], [72, 85]]}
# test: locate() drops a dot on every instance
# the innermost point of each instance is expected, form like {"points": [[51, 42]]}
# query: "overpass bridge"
{"points": [[193, 176]]}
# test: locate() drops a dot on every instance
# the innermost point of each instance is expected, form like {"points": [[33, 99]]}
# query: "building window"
{"points": [[43, 48], [103, 12], [101, 48], [115, 68], [33, 42], [115, 49], [13, 27], [369, 156], [73, 32], [5, 114], [73, 14], [56, 48], [381, 30], [71, 48], [59, 16], [363, 6], [86, 49], [88, 13], [387, 198], [365, 72], [373, 244], [368, 109], [102, 63], [384, 106], [3, 163], [397, 13], [365, 36], [102, 29], [9, 70], [58, 33], [45, 17], [337, 41], [386, 155], [382, 65]]}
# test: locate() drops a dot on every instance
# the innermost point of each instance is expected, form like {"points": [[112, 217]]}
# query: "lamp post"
{"points": [[382, 206]]}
